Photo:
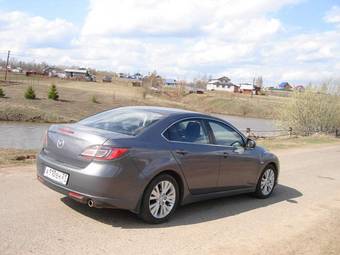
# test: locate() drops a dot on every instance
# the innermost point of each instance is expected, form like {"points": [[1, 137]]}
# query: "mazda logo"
{"points": [[60, 143]]}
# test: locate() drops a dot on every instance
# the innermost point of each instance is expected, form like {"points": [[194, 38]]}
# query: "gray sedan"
{"points": [[149, 160]]}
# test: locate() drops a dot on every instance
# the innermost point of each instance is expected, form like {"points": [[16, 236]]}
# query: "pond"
{"points": [[23, 135]]}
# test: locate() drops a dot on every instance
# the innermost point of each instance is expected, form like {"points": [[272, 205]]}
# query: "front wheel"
{"points": [[266, 182], [160, 199]]}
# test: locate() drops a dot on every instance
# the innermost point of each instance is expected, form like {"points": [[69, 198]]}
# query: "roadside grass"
{"points": [[14, 157], [297, 142], [74, 103]]}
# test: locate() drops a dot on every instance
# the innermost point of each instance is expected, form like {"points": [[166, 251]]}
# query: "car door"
{"points": [[239, 165], [190, 144]]}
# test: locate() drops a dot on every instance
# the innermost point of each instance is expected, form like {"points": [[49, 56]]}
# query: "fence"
{"points": [[14, 78]]}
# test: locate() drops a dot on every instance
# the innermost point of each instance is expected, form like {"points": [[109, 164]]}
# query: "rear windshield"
{"points": [[124, 121]]}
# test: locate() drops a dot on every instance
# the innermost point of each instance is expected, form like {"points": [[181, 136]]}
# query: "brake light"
{"points": [[75, 195], [103, 152], [65, 130]]}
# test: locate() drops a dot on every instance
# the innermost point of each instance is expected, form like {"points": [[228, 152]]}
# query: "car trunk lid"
{"points": [[65, 143]]}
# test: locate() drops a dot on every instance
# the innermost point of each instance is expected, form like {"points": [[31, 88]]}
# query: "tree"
{"points": [[2, 93], [151, 82], [94, 100], [53, 92], [258, 82], [30, 93], [312, 111]]}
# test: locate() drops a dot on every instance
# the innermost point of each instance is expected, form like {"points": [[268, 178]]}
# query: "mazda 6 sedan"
{"points": [[150, 160]]}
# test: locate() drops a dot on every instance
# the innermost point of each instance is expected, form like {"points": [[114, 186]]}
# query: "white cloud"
{"points": [[174, 17], [333, 15], [183, 39], [19, 30], [178, 37]]}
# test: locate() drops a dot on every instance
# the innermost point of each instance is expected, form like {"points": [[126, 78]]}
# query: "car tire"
{"points": [[160, 199], [266, 183]]}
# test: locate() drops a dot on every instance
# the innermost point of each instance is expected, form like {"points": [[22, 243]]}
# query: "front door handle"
{"points": [[181, 152]]}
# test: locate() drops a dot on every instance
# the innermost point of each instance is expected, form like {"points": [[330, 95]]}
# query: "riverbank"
{"points": [[80, 99], [285, 143], [12, 157]]}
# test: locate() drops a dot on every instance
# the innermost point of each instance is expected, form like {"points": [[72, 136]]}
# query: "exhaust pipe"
{"points": [[90, 203]]}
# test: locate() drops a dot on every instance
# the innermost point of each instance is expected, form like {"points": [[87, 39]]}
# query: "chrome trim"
{"points": [[210, 144]]}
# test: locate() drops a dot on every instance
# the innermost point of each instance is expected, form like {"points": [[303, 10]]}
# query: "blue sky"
{"points": [[293, 40], [72, 10], [308, 15]]}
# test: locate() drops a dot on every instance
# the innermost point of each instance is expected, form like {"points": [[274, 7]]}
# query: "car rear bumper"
{"points": [[108, 186], [99, 202]]}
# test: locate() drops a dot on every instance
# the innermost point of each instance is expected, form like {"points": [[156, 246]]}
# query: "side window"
{"points": [[190, 131], [225, 135]]}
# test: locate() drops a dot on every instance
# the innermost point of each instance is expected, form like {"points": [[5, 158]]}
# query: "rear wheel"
{"points": [[160, 199], [266, 182]]}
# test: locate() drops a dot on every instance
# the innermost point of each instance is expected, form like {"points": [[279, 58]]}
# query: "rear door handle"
{"points": [[181, 152]]}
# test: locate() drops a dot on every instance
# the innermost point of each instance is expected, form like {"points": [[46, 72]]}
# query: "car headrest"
{"points": [[192, 131]]}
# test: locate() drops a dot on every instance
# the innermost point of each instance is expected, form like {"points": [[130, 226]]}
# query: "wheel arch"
{"points": [[173, 174]]}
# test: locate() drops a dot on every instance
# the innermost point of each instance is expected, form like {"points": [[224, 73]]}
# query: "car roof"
{"points": [[175, 113], [162, 110]]}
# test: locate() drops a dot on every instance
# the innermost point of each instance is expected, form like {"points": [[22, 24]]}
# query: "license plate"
{"points": [[56, 175]]}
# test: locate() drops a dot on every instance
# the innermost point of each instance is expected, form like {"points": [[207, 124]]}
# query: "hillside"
{"points": [[77, 100]]}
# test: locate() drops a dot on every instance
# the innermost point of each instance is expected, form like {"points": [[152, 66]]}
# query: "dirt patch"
{"points": [[13, 157]]}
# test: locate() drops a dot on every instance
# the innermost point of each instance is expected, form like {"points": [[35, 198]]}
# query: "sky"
{"points": [[288, 40]]}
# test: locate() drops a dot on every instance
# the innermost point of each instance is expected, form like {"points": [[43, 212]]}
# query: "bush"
{"points": [[94, 100], [2, 93], [30, 94], [53, 93], [312, 111]]}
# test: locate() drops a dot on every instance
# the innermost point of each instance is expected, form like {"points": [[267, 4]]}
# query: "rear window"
{"points": [[124, 121]]}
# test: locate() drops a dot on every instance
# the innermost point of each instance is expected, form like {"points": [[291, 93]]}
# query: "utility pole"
{"points": [[9, 52]]}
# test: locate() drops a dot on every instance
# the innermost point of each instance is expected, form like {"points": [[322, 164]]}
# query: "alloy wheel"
{"points": [[267, 181], [162, 199]]}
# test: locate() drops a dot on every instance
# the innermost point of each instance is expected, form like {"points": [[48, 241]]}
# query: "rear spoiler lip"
{"points": [[72, 129]]}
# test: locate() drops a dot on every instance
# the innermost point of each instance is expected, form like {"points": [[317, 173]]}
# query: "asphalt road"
{"points": [[302, 217]]}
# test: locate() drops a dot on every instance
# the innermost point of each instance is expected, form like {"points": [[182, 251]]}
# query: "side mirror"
{"points": [[251, 144]]}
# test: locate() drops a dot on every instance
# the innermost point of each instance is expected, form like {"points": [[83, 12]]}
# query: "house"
{"points": [[137, 76], [79, 74], [51, 71], [17, 70], [299, 88], [285, 86], [122, 75], [222, 84], [247, 88], [61, 75], [170, 82]]}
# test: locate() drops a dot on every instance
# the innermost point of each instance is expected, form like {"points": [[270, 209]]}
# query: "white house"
{"points": [[222, 84], [247, 88], [170, 82]]}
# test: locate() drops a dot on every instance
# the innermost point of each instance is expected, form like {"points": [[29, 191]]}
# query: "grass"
{"points": [[13, 157], [297, 142], [74, 103]]}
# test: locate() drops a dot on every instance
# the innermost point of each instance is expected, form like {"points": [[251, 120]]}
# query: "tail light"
{"points": [[103, 152], [45, 141]]}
